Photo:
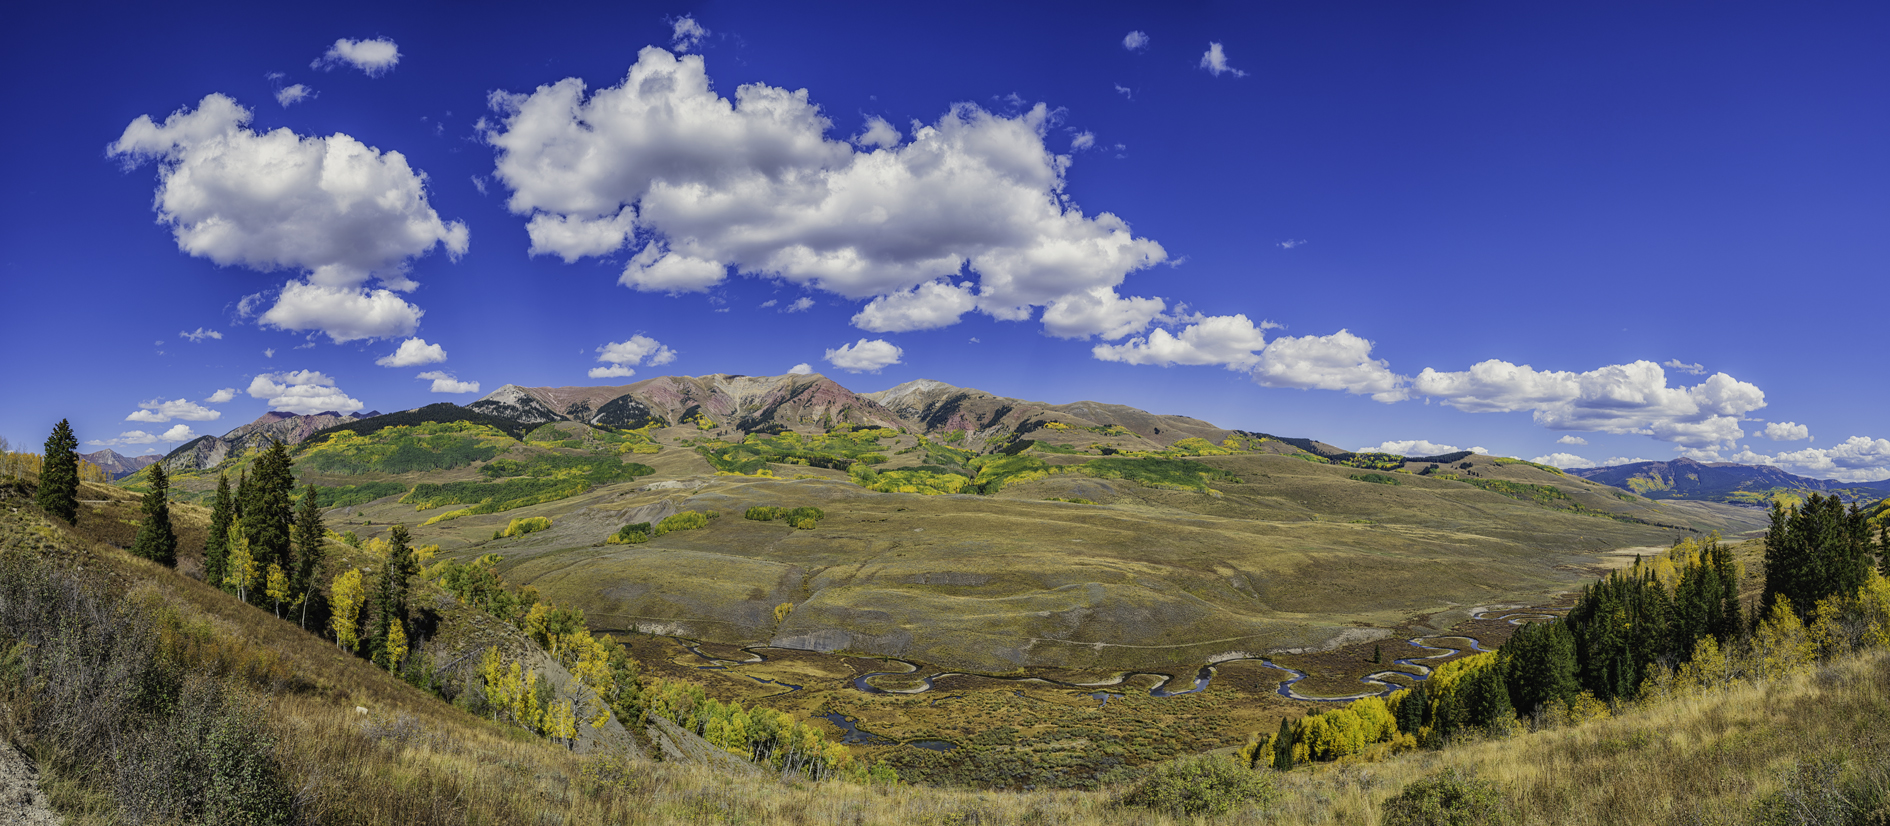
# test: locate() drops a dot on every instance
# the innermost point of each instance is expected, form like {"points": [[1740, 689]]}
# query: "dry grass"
{"points": [[415, 760]]}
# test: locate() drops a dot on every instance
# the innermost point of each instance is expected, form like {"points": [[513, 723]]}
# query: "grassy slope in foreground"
{"points": [[1703, 759]]}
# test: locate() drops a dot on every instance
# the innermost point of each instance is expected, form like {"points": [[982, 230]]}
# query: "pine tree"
{"points": [[309, 532], [392, 598], [216, 549], [157, 540], [268, 510], [59, 474]]}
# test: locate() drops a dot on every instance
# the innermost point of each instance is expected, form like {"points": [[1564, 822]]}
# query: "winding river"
{"points": [[1415, 669]]}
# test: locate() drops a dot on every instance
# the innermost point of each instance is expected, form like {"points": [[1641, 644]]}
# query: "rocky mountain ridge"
{"points": [[118, 464], [276, 425], [1685, 478]]}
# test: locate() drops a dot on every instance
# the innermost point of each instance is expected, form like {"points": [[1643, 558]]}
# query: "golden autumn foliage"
{"points": [[345, 597]]}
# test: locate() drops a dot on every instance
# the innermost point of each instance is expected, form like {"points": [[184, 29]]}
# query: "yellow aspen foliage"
{"points": [[1710, 668], [781, 612], [1826, 631], [276, 586], [1781, 647], [1874, 605], [346, 596], [498, 688], [396, 645], [525, 708], [561, 723], [240, 563], [535, 625]]}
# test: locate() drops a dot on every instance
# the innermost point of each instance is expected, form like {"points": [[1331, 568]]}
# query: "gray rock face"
{"points": [[274, 426]]}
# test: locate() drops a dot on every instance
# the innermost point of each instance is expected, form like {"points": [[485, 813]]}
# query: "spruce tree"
{"points": [[269, 510], [309, 531], [157, 540], [59, 474], [216, 549], [391, 598]]}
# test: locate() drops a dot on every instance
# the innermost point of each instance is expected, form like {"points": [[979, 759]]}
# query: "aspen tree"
{"points": [[347, 596], [396, 645], [242, 571], [276, 587], [308, 532]]}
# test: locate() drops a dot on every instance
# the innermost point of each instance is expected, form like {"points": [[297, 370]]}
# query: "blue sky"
{"points": [[1585, 233]]}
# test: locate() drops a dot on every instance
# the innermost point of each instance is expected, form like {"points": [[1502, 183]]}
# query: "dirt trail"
{"points": [[21, 801]]}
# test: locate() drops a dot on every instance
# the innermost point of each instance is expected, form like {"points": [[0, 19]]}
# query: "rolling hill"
{"points": [[961, 528]]}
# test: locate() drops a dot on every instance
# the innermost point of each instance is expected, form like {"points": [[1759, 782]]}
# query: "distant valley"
{"points": [[961, 528]]}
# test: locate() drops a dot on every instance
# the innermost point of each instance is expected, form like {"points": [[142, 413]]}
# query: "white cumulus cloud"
{"points": [[1232, 341], [1620, 398], [1786, 431], [291, 95], [928, 306], [1563, 460], [1215, 61], [200, 335], [800, 305], [341, 212], [1571, 439], [412, 353], [878, 133], [1341, 361], [1135, 41], [177, 433], [802, 369], [222, 396], [614, 371], [865, 356], [1413, 447], [1683, 367], [158, 410], [443, 382], [375, 57], [638, 349], [302, 392], [344, 313], [707, 184]]}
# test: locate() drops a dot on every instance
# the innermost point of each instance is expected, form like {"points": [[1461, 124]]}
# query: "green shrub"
{"points": [[1205, 784], [633, 534], [1377, 478], [762, 513], [1448, 798], [521, 527]]}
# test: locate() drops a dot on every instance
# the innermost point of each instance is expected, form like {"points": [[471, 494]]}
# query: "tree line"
{"points": [[1666, 625]]}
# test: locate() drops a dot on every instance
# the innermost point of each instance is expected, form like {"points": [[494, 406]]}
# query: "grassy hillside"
{"points": [[224, 684]]}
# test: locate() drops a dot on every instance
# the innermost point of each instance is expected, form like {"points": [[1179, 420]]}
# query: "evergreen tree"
{"points": [[1883, 543], [309, 532], [216, 549], [157, 540], [1814, 551], [1539, 661], [392, 597], [268, 510], [59, 474]]}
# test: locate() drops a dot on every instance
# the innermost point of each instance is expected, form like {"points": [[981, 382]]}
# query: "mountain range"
{"points": [[1685, 478], [118, 464]]}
